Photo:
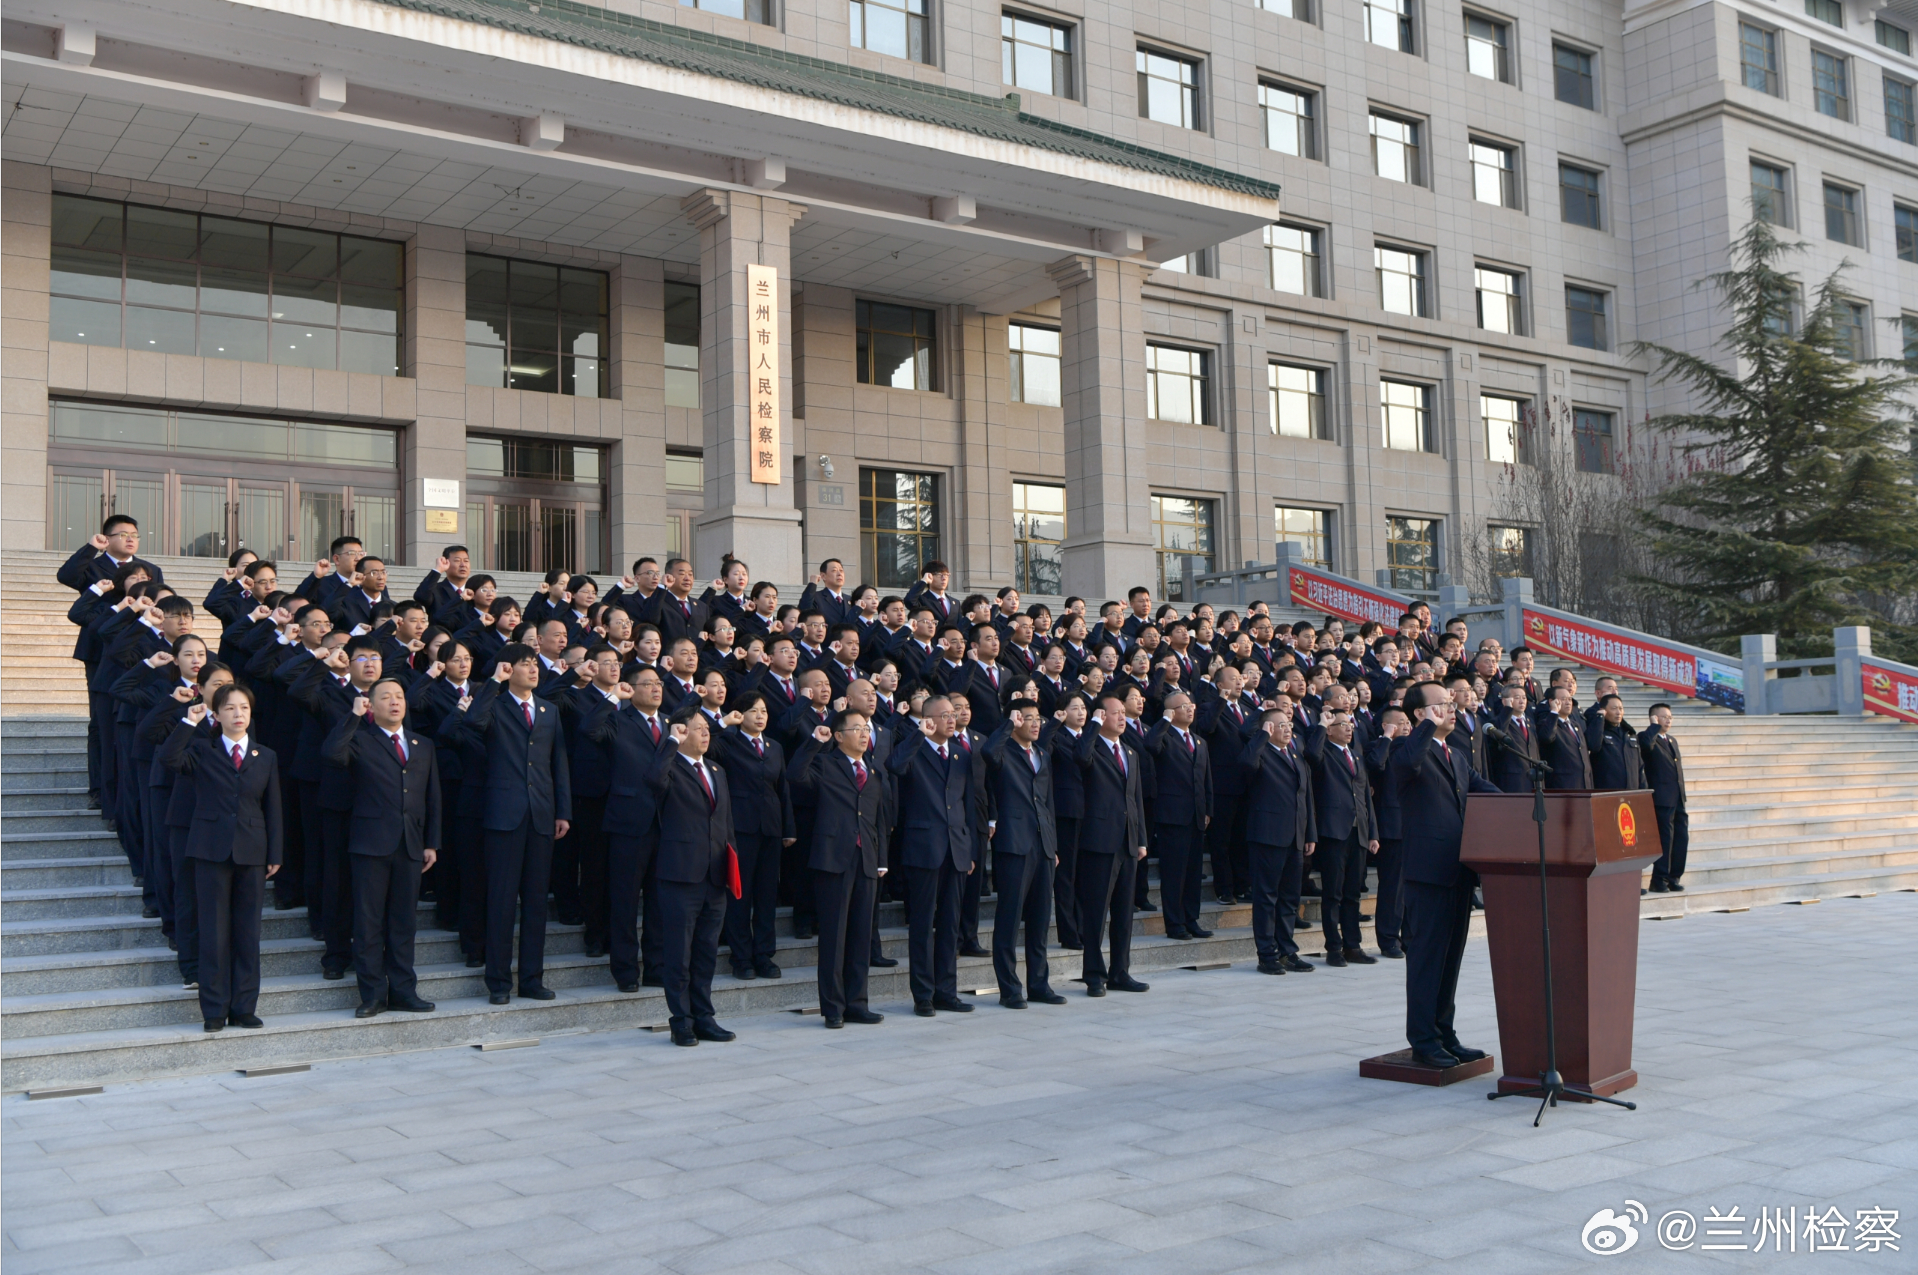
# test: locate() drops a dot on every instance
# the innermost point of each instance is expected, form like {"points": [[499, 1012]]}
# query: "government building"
{"points": [[1054, 292]]}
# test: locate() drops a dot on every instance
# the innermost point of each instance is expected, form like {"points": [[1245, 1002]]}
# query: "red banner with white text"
{"points": [[1322, 591], [1891, 692], [1668, 667]]}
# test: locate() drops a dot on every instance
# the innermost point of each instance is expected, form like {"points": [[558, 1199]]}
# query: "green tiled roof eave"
{"points": [[741, 61]]}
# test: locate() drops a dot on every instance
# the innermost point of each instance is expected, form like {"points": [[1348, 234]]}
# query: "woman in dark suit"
{"points": [[234, 846]]}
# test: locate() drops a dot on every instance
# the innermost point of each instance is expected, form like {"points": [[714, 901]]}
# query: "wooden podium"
{"points": [[1596, 846]]}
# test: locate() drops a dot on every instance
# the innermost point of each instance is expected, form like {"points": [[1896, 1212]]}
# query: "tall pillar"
{"points": [[26, 238], [754, 521], [435, 446], [1109, 545]]}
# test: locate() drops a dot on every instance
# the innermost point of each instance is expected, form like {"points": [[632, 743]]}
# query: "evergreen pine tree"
{"points": [[1799, 514]]}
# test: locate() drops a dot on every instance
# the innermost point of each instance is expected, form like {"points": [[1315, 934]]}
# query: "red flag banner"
{"points": [[1670, 667], [1891, 692], [1335, 595]]}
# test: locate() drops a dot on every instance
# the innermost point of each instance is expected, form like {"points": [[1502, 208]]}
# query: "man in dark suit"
{"points": [[696, 869], [940, 791], [1561, 742], [1181, 811], [1069, 807], [586, 711], [117, 545], [633, 737], [1508, 763], [826, 594], [441, 588], [1112, 841], [1342, 808], [674, 610], [332, 575], [1025, 848], [1388, 920], [763, 825], [1617, 762], [1665, 776], [393, 836], [364, 588], [986, 682], [846, 858], [323, 692], [529, 804], [1280, 825], [1431, 779], [1223, 721]]}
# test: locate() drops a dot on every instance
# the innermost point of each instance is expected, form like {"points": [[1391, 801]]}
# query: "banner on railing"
{"points": [[1891, 692], [1335, 595], [1669, 667]]}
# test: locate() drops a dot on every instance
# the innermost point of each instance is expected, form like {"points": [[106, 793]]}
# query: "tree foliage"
{"points": [[1799, 514]]}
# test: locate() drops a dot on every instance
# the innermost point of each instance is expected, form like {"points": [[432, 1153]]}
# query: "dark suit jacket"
{"points": [[1225, 737], [836, 610], [586, 715], [527, 776], [1506, 766], [349, 607], [1617, 764], [629, 802], [1664, 768], [1068, 785], [942, 805], [673, 622], [1430, 785], [695, 830], [1114, 821], [1182, 793], [394, 806], [849, 822], [88, 566], [1385, 802], [1019, 799], [762, 802], [1278, 794], [987, 715], [1561, 745], [236, 813], [1341, 796]]}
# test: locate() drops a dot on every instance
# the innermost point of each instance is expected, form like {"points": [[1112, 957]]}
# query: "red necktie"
{"points": [[528, 710], [238, 757], [707, 784], [1351, 767], [1118, 755], [993, 673], [652, 725], [859, 775], [759, 747], [398, 751], [1190, 747]]}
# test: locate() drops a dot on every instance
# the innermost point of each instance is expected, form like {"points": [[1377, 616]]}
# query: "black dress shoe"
{"points": [[684, 1038], [652, 980], [833, 1024], [244, 1020], [629, 988], [172, 946], [1012, 1002], [883, 962], [1392, 953], [1441, 1059], [332, 976], [1046, 996], [1244, 896], [713, 1032], [1294, 964], [1178, 934], [1335, 958], [215, 1024], [409, 1004], [1072, 947], [1198, 933], [538, 992], [572, 920], [951, 1004], [924, 1010], [1464, 1054], [475, 962], [1095, 988], [498, 998], [149, 914], [973, 949], [854, 1014], [1128, 984], [1659, 887], [1674, 887], [1226, 899], [594, 948], [1271, 967], [802, 930], [370, 1011], [769, 970], [1358, 956], [1144, 909], [744, 972]]}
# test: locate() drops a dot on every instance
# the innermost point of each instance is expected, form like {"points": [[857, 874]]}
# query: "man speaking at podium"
{"points": [[1431, 779]]}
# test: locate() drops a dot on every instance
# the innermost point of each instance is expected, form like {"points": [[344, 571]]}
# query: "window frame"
{"points": [[1584, 440], [865, 347], [927, 541], [1194, 94], [512, 346], [1507, 64], [1523, 427], [1426, 407], [1324, 535], [1066, 58], [1423, 307], [1901, 43], [1309, 121], [1830, 12], [1500, 557], [1414, 149], [1770, 73], [1853, 211], [1836, 66], [1016, 355], [1907, 116], [768, 13], [1590, 74], [1904, 220], [1511, 183], [1404, 18], [1784, 191], [1596, 195], [1023, 516], [1317, 257], [919, 24], [1515, 307], [1860, 331], [1434, 540], [1319, 426], [1172, 587], [1204, 376], [1602, 326]]}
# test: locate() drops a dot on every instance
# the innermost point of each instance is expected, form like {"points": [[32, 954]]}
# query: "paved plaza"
{"points": [[1216, 1124]]}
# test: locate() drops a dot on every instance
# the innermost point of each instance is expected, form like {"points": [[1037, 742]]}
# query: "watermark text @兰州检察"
{"points": [[1768, 1229]]}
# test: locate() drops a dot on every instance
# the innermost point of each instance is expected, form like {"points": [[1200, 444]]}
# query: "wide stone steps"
{"points": [[51, 873]]}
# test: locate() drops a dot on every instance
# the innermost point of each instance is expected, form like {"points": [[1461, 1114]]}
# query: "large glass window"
{"points": [[1494, 173], [1826, 11], [1168, 88], [1395, 148], [1038, 531], [760, 11], [1830, 84], [1841, 215], [1309, 529], [1292, 255], [1508, 429], [898, 526], [1854, 328], [1301, 10], [1401, 273], [1501, 300], [1905, 222], [1900, 122], [895, 345], [1574, 77], [1488, 48], [1592, 441], [1035, 55], [1182, 525], [535, 326], [1895, 38], [1412, 553], [1585, 318], [1389, 24], [534, 504], [1511, 551], [1289, 115], [1175, 383], [1407, 412], [191, 283], [897, 28], [1296, 401], [1758, 57], [1033, 364], [682, 344], [1578, 196], [1771, 197]]}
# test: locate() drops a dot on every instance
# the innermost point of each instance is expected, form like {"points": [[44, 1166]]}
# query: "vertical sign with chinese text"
{"points": [[762, 378]]}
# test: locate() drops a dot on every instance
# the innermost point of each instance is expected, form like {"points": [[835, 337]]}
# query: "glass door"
{"points": [[512, 536], [322, 517], [76, 503], [373, 515], [204, 510], [144, 497], [558, 537], [260, 512]]}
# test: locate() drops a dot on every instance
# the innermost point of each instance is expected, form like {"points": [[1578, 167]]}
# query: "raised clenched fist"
{"points": [[679, 732], [624, 691], [336, 659], [502, 671], [185, 694], [435, 668], [98, 542], [160, 659], [822, 733], [323, 568], [440, 564], [360, 705], [196, 712]]}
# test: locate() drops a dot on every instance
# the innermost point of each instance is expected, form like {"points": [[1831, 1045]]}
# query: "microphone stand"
{"points": [[1551, 1086]]}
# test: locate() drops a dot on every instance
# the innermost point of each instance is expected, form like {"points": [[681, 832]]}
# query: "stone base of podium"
{"points": [[1604, 1088], [1400, 1067]]}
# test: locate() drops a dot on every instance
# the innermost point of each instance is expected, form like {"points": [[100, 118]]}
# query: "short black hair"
{"points": [[364, 642], [227, 692], [174, 605], [341, 542], [516, 653], [371, 557]]}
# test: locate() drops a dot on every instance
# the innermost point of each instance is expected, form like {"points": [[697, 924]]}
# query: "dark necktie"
{"points": [[1118, 755], [528, 710], [993, 674], [398, 750], [652, 725], [238, 757], [759, 747], [707, 784], [859, 775]]}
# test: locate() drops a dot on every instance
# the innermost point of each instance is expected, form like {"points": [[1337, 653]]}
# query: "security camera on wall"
{"points": [[825, 465]]}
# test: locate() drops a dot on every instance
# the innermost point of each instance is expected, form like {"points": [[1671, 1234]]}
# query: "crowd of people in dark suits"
{"points": [[667, 766]]}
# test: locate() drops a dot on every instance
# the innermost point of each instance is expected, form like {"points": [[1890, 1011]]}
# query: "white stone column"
{"points": [[1109, 545], [435, 446], [754, 521], [26, 245]]}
